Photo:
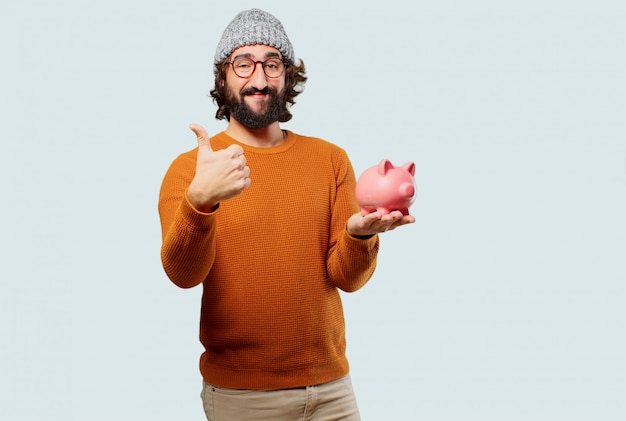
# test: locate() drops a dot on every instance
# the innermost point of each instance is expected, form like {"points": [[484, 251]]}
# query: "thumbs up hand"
{"points": [[220, 175]]}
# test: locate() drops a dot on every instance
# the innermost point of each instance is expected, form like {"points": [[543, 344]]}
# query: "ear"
{"points": [[384, 166], [410, 167]]}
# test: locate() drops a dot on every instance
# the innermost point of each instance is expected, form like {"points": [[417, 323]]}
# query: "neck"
{"points": [[266, 137]]}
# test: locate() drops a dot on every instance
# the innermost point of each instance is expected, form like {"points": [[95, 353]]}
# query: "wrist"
{"points": [[204, 206], [360, 237]]}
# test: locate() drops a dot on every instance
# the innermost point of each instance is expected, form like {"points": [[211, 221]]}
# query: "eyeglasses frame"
{"points": [[232, 64]]}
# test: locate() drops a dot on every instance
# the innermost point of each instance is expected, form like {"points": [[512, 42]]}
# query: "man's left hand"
{"points": [[374, 223]]}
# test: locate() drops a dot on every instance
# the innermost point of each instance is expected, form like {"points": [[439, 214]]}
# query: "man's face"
{"points": [[256, 101]]}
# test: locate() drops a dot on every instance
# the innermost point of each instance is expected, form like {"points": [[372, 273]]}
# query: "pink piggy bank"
{"points": [[385, 188]]}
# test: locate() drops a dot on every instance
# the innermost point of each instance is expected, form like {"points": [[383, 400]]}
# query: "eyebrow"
{"points": [[270, 54]]}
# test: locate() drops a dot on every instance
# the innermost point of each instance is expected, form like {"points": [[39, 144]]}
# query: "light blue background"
{"points": [[505, 301]]}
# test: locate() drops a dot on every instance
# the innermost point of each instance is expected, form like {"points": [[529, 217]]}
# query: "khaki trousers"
{"points": [[331, 401]]}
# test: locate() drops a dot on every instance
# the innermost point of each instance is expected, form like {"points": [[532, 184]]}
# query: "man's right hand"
{"points": [[220, 175]]}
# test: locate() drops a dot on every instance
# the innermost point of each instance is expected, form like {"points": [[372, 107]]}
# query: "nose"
{"points": [[258, 78], [407, 190]]}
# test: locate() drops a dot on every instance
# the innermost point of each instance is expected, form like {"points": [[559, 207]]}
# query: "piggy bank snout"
{"points": [[407, 190]]}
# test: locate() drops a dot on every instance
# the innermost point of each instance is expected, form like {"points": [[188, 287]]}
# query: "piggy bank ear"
{"points": [[384, 166], [410, 167]]}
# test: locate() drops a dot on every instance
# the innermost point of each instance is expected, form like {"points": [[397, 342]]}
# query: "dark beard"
{"points": [[240, 111]]}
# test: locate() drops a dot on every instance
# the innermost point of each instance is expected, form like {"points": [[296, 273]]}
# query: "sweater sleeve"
{"points": [[350, 262], [188, 248]]}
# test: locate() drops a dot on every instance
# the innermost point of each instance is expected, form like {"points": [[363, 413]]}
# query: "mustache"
{"points": [[252, 90]]}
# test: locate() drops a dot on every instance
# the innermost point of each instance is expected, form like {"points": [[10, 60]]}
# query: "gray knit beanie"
{"points": [[253, 27]]}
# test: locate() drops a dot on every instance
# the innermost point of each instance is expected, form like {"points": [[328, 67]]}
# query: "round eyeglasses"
{"points": [[244, 67]]}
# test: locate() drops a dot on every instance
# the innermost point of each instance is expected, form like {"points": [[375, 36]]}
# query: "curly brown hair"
{"points": [[295, 77]]}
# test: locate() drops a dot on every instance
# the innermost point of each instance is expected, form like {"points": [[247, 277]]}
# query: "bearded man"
{"points": [[267, 222]]}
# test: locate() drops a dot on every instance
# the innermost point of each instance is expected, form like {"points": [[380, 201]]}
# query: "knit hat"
{"points": [[253, 27]]}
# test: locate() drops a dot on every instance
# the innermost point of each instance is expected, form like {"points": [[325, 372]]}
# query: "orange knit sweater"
{"points": [[271, 261]]}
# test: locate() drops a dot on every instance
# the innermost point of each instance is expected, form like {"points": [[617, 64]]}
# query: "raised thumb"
{"points": [[201, 134]]}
